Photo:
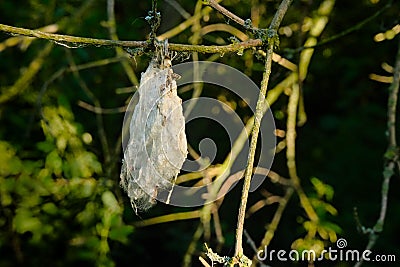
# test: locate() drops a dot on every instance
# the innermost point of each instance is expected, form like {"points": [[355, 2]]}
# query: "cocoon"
{"points": [[157, 144]]}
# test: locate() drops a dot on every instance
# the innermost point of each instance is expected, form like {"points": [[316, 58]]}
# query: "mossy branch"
{"points": [[70, 40], [78, 42], [257, 121]]}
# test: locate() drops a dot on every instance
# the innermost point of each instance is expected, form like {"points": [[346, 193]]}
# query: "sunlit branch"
{"points": [[78, 42], [226, 12], [169, 218], [67, 40], [257, 121], [187, 259]]}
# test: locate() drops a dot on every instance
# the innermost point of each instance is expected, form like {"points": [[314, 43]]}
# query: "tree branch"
{"points": [[67, 39], [228, 14], [216, 48], [272, 32], [78, 42], [391, 157]]}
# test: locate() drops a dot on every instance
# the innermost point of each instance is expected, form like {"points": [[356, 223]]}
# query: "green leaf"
{"points": [[87, 216], [24, 221], [9, 163], [45, 146], [50, 208], [121, 233], [54, 163], [6, 188], [322, 188], [83, 187], [110, 201], [84, 164]]}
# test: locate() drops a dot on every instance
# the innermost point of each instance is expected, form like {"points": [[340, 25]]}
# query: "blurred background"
{"points": [[62, 108]]}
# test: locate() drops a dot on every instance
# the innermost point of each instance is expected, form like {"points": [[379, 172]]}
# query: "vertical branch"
{"points": [[187, 259], [294, 105], [291, 151], [195, 39], [392, 103], [154, 19], [197, 90], [391, 156], [272, 34]]}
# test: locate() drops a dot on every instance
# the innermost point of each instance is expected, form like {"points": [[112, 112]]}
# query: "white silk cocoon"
{"points": [[157, 144]]}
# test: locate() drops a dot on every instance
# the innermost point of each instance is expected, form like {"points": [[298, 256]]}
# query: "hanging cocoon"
{"points": [[157, 144]]}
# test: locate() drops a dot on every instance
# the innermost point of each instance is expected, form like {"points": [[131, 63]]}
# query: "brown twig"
{"points": [[100, 110], [275, 222], [227, 13]]}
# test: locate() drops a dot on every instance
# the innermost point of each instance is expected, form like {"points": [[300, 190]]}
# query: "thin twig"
{"points": [[96, 102], [179, 8], [291, 152], [275, 222], [319, 23], [100, 110], [226, 12], [257, 121], [61, 72], [184, 25], [204, 262], [216, 48], [226, 28], [391, 156], [154, 19], [27, 77], [173, 217], [187, 258], [250, 241], [217, 226]]}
